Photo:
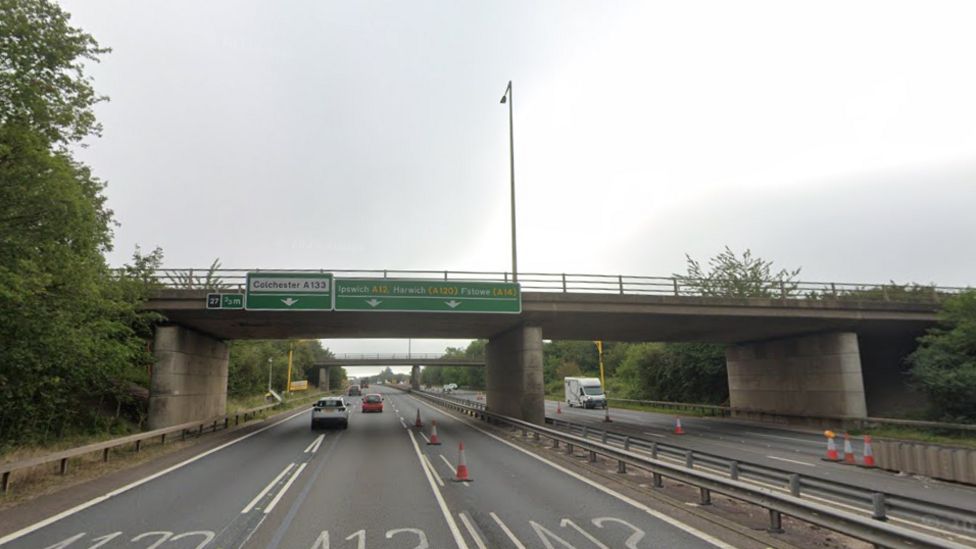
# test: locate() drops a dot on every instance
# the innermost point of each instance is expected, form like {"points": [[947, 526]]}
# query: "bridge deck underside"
{"points": [[566, 316]]}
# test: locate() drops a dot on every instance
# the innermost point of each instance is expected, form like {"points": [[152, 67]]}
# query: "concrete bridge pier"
{"points": [[189, 378], [324, 378], [811, 375], [415, 377], [513, 374]]}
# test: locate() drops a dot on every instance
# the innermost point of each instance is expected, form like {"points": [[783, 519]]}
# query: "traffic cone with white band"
{"points": [[677, 426], [831, 447], [434, 441], [558, 409], [461, 473], [848, 450], [868, 453], [418, 424]]}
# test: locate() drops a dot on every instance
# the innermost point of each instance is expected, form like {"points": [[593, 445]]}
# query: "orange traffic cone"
{"points": [[848, 450], [558, 409], [677, 426], [868, 453], [418, 424], [831, 447], [461, 473], [434, 441]]}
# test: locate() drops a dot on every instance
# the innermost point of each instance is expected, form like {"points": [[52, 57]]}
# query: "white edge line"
{"points": [[437, 495], [285, 488], [471, 531], [654, 434], [94, 501], [792, 461], [634, 503], [437, 477], [266, 489], [511, 536]]}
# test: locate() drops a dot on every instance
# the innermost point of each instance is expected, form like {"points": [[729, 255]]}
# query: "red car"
{"points": [[372, 403]]}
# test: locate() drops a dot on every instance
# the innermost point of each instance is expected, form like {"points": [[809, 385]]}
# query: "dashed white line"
{"points": [[266, 489], [448, 463], [472, 532], [792, 461], [654, 434], [511, 536], [314, 446], [425, 437], [284, 488], [458, 539]]}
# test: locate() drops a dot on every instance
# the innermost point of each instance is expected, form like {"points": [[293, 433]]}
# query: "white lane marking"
{"points": [[266, 489], [404, 423], [453, 470], [632, 502], [511, 536], [472, 532], [314, 446], [425, 437], [284, 488], [437, 477], [654, 434], [800, 440], [94, 501], [792, 461], [437, 495]]}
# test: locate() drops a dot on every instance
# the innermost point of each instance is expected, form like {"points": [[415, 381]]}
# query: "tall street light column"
{"points": [[507, 98]]}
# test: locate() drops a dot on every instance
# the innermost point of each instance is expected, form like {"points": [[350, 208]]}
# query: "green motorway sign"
{"points": [[225, 301], [294, 291], [371, 294]]}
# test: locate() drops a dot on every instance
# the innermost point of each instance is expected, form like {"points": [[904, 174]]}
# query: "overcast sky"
{"points": [[839, 137]]}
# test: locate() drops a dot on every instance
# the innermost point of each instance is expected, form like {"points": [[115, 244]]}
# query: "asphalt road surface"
{"points": [[377, 484]]}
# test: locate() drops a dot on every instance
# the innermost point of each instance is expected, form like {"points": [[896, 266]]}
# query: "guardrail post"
{"points": [[162, 439], [782, 290], [603, 438], [620, 280], [775, 522], [535, 435], [658, 480], [705, 497], [676, 290], [555, 443], [200, 431], [138, 445], [215, 426], [627, 443], [795, 485], [5, 482], [226, 422], [592, 456], [878, 511], [105, 454], [654, 450], [586, 431], [689, 459], [833, 289], [64, 465], [183, 434], [621, 467], [564, 282], [569, 448], [734, 470]]}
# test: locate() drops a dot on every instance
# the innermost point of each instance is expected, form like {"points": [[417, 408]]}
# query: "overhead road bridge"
{"points": [[817, 348]]}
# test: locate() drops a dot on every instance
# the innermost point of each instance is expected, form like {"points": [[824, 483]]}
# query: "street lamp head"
{"points": [[504, 98]]}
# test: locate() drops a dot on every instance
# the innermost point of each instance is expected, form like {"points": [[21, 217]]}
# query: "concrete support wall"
{"points": [[415, 378], [817, 375], [886, 376], [324, 378], [513, 374], [189, 379]]}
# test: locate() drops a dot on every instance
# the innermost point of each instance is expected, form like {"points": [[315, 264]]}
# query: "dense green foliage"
{"points": [[247, 373], [463, 376], [944, 365], [675, 372], [72, 337], [732, 276]]}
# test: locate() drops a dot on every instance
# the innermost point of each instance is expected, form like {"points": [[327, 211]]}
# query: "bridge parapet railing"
{"points": [[679, 286], [389, 356]]}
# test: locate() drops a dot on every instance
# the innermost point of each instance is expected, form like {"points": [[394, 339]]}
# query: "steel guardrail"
{"points": [[63, 456], [234, 280], [873, 529]]}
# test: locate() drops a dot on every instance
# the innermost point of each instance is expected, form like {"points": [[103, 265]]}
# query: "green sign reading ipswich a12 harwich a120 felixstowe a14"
{"points": [[288, 291], [388, 294]]}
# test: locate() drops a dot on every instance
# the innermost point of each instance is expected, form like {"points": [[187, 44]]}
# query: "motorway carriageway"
{"points": [[377, 484], [786, 449]]}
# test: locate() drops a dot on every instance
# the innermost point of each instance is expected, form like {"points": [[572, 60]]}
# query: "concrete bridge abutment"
{"points": [[415, 377], [324, 378], [812, 375], [513, 374], [189, 378]]}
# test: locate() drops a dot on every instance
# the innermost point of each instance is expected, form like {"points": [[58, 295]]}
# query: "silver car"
{"points": [[330, 411]]}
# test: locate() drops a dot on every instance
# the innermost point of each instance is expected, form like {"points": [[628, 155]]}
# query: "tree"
{"points": [[944, 365], [679, 372], [732, 276]]}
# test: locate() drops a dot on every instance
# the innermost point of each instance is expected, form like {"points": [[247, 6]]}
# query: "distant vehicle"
{"points": [[330, 411], [354, 391], [364, 384], [584, 392], [450, 387], [372, 403]]}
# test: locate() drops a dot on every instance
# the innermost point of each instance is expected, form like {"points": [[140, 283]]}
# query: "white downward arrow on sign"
{"points": [[289, 302], [452, 304], [373, 302]]}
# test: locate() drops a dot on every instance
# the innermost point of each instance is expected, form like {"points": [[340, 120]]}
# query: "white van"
{"points": [[584, 392]]}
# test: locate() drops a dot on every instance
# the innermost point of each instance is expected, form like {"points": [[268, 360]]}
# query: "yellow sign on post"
{"points": [[298, 385], [599, 350]]}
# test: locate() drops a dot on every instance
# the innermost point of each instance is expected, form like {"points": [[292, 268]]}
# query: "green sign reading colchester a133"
{"points": [[288, 291], [371, 294]]}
